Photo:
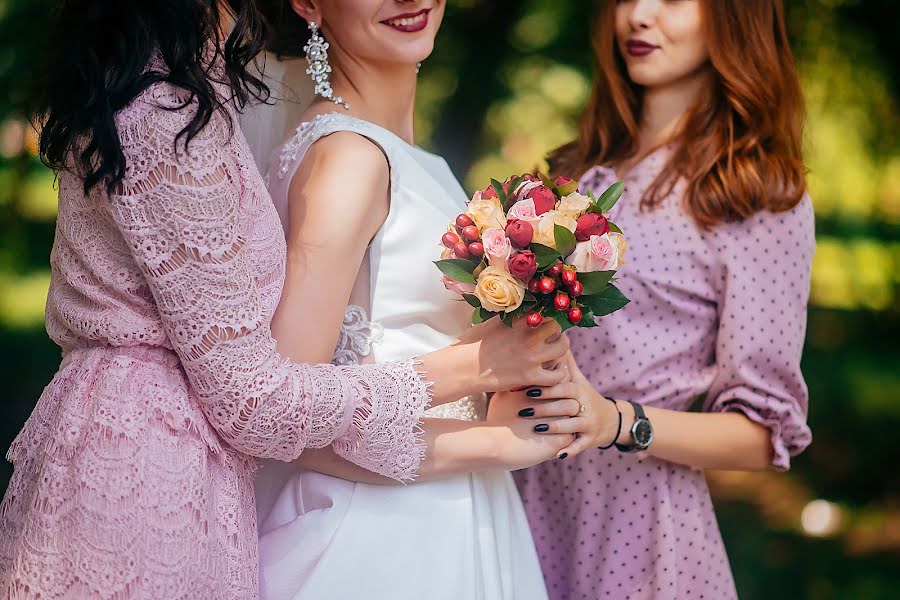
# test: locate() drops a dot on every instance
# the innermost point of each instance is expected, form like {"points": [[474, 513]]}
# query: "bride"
{"points": [[360, 288]]}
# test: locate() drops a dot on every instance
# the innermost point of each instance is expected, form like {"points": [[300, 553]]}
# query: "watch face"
{"points": [[643, 433]]}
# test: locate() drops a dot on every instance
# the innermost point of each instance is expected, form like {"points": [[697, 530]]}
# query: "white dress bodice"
{"points": [[465, 536], [410, 313]]}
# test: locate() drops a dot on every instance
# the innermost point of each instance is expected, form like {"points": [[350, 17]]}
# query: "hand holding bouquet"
{"points": [[536, 248]]}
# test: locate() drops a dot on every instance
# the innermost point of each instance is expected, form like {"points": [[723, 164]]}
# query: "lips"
{"points": [[409, 22], [639, 48]]}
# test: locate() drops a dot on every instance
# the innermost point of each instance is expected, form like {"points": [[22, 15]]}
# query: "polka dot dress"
{"points": [[720, 314]]}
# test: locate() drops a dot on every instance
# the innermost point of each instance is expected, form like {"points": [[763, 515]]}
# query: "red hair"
{"points": [[739, 150]]}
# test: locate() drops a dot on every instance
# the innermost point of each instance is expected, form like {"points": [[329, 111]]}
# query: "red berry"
{"points": [[562, 301], [568, 276], [461, 250], [470, 233], [476, 249], [534, 319], [546, 285], [534, 286], [576, 289], [575, 315], [555, 270], [463, 221], [450, 239]]}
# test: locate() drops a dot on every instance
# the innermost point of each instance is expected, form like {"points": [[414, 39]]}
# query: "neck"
{"points": [[381, 94], [664, 109]]}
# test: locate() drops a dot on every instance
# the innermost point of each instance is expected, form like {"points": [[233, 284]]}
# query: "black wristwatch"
{"points": [[641, 431]]}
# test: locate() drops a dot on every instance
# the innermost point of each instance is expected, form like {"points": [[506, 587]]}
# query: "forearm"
{"points": [[727, 441], [453, 447]]}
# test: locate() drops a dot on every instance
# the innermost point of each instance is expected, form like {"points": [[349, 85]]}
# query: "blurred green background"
{"points": [[504, 86]]}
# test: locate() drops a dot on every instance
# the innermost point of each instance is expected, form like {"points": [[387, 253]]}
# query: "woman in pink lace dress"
{"points": [[133, 474], [697, 107]]}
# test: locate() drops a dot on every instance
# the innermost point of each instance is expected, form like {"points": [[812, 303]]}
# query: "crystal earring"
{"points": [[317, 56], [418, 68]]}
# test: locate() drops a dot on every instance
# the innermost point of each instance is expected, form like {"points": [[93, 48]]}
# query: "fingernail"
{"points": [[526, 412], [535, 393], [541, 428], [563, 456]]}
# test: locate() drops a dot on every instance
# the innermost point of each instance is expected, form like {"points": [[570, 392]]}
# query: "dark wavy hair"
{"points": [[97, 65], [289, 31]]}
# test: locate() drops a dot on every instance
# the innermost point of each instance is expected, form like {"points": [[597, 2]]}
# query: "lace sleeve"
{"points": [[178, 211]]}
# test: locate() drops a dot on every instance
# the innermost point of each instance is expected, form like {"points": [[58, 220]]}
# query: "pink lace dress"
{"points": [[133, 476]]}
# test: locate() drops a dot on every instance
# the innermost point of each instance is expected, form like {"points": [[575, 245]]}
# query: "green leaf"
{"points": [[568, 188], [613, 227], [587, 318], [608, 302], [612, 194], [546, 181], [565, 240], [457, 269], [472, 300], [501, 194], [476, 317], [545, 255], [561, 318], [594, 282]]}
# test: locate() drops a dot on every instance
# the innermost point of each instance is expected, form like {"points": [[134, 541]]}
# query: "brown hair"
{"points": [[739, 151]]}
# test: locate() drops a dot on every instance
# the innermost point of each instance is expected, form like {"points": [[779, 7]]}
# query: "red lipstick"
{"points": [[409, 22], [639, 48]]}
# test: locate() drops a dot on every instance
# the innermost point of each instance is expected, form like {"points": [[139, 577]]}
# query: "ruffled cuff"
{"points": [[786, 423], [385, 435]]}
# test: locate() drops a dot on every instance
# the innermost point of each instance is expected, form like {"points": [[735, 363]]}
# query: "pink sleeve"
{"points": [[762, 324], [179, 214]]}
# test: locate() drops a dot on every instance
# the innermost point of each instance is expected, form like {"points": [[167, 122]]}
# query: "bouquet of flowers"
{"points": [[535, 248]]}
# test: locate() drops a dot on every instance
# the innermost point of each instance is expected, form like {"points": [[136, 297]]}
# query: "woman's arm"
{"points": [[755, 414]]}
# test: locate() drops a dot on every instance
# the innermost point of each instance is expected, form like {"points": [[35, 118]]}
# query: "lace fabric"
{"points": [[131, 478]]}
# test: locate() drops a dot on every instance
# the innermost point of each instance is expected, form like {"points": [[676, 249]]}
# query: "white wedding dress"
{"points": [[463, 538]]}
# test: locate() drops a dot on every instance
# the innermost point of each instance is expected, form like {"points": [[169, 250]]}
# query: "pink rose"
{"points": [[496, 246], [600, 253], [457, 286], [523, 266], [523, 211], [591, 224], [543, 197], [520, 233], [523, 188]]}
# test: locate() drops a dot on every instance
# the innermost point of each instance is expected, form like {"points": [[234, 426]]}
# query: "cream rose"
{"points": [[574, 205], [497, 246], [499, 291], [618, 242], [487, 213], [544, 232]]}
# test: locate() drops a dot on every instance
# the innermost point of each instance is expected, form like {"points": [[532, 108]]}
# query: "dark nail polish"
{"points": [[535, 393], [541, 428], [526, 412], [563, 456]]}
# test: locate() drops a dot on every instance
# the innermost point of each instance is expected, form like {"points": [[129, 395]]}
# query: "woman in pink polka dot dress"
{"points": [[697, 108]]}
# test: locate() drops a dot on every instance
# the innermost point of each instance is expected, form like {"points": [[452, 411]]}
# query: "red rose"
{"points": [[560, 180], [544, 199], [488, 193], [523, 265], [520, 233], [590, 224]]}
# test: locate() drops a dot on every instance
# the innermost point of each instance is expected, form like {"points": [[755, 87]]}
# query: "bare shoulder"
{"points": [[343, 167]]}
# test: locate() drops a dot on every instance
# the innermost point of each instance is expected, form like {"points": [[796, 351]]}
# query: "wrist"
{"points": [[628, 418], [451, 373]]}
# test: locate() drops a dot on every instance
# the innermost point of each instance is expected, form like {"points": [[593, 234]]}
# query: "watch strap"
{"points": [[639, 415]]}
